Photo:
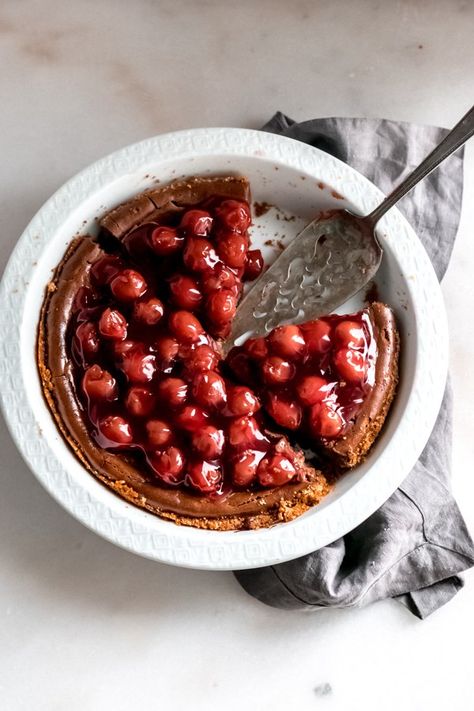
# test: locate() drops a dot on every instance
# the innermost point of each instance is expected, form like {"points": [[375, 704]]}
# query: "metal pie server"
{"points": [[331, 259]]}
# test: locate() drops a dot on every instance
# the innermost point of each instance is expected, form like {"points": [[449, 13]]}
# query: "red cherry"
{"points": [[138, 365], [204, 476], [243, 468], [168, 465], [244, 433], [312, 389], [349, 334], [221, 306], [242, 401], [185, 292], [256, 348], [148, 312], [287, 342], [201, 358], [275, 470], [234, 214], [285, 412], [104, 269], [139, 401], [351, 365], [158, 432], [87, 340], [166, 348], [113, 325], [324, 420], [209, 389], [199, 255], [232, 249], [165, 240], [317, 335], [196, 222], [221, 277], [185, 326], [208, 442], [85, 298], [122, 347], [275, 370], [128, 285], [239, 364], [116, 430], [254, 265], [173, 391], [191, 418], [98, 384], [137, 242]]}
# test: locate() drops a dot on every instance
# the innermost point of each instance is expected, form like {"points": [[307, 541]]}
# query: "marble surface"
{"points": [[85, 625]]}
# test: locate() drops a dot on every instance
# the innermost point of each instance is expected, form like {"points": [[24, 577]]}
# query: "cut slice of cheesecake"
{"points": [[330, 381]]}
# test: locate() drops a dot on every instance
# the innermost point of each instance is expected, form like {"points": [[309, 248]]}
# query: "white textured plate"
{"points": [[300, 180]]}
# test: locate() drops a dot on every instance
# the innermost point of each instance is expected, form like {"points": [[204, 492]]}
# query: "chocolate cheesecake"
{"points": [[131, 367]]}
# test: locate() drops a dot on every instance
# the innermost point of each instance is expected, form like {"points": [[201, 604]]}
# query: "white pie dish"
{"points": [[282, 172]]}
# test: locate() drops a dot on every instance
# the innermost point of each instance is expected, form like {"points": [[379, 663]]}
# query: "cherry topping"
{"points": [[128, 285], [196, 222], [99, 384], [244, 468], [204, 476], [287, 342], [284, 411], [254, 265], [275, 370], [173, 391], [148, 312], [87, 339], [185, 326], [85, 298], [242, 401], [221, 306], [208, 442], [317, 336], [113, 325], [349, 334], [158, 432], [169, 465], [351, 365], [138, 365], [166, 348], [275, 470], [232, 249], [122, 347], [201, 358], [165, 240], [104, 269], [209, 389], [192, 418], [234, 214], [324, 420], [244, 433], [116, 430], [221, 277], [256, 348], [312, 389], [185, 292], [139, 401], [199, 255]]}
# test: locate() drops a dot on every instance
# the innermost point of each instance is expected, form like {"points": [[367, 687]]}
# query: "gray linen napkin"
{"points": [[416, 544]]}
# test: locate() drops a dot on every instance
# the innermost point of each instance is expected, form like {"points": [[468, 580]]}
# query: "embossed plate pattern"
{"points": [[288, 174]]}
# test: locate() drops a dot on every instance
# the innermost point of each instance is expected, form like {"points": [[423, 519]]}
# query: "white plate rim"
{"points": [[147, 535]]}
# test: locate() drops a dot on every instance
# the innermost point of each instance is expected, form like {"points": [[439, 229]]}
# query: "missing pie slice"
{"points": [[131, 367]]}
